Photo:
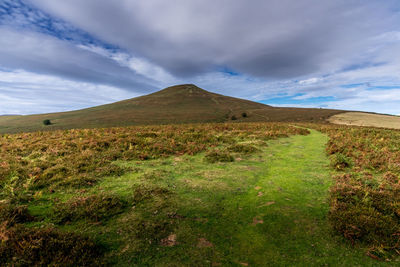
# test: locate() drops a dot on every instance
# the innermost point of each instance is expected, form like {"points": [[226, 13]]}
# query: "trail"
{"points": [[269, 209], [282, 220]]}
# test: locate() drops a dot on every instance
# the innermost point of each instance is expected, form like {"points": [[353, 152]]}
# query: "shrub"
{"points": [[340, 161], [244, 115], [95, 207], [242, 148], [46, 122], [11, 214], [218, 156], [233, 118], [21, 246], [365, 199]]}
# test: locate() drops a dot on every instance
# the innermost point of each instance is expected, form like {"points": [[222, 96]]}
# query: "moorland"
{"points": [[296, 191]]}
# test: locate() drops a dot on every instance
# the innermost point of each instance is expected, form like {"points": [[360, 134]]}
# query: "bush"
{"points": [[244, 115], [47, 122], [240, 148], [94, 208], [11, 214], [21, 246], [362, 210], [233, 118], [218, 156], [340, 162]]}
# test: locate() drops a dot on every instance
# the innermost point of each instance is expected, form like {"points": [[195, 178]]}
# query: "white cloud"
{"points": [[299, 49], [310, 81], [24, 92], [139, 65]]}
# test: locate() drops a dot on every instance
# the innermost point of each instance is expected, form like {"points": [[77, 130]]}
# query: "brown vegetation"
{"points": [[177, 104], [365, 199]]}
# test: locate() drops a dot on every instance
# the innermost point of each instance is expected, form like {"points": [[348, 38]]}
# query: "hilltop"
{"points": [[185, 103]]}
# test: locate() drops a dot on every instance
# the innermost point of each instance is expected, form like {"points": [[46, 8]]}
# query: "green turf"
{"points": [[266, 209]]}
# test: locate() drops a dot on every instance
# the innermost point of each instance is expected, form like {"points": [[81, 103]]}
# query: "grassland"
{"points": [[238, 194], [365, 198], [366, 119], [177, 104]]}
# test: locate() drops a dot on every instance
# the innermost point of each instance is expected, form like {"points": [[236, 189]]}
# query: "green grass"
{"points": [[268, 208]]}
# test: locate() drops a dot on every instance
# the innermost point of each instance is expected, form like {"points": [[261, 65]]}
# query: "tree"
{"points": [[47, 122], [244, 115]]}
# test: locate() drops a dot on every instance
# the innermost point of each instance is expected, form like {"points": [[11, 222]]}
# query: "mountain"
{"points": [[185, 103]]}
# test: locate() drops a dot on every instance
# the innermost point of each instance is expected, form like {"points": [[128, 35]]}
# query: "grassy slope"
{"points": [[283, 189], [366, 119], [177, 104]]}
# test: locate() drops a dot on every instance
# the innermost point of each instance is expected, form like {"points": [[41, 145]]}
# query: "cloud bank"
{"points": [[336, 54]]}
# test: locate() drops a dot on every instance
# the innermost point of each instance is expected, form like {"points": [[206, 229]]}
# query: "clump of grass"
{"points": [[340, 161], [219, 156], [94, 208], [242, 148], [155, 175], [11, 214], [22, 246], [77, 182], [147, 230], [148, 191]]}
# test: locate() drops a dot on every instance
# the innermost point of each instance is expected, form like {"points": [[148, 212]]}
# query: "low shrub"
{"points": [[94, 208], [242, 148], [22, 246], [218, 156], [47, 122], [11, 214], [366, 210], [340, 161], [365, 197]]}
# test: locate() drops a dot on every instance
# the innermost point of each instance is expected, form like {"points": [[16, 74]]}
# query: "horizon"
{"points": [[59, 56], [275, 106]]}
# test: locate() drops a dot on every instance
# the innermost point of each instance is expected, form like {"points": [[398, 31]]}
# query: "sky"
{"points": [[72, 54]]}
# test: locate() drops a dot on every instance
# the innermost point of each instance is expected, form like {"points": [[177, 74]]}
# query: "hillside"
{"points": [[366, 119], [177, 104]]}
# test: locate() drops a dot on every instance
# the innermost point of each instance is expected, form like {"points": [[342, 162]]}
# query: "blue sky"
{"points": [[64, 55]]}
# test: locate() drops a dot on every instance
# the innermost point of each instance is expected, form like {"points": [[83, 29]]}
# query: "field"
{"points": [[228, 194], [366, 119]]}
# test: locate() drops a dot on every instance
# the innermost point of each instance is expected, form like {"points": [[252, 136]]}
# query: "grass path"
{"points": [[266, 210]]}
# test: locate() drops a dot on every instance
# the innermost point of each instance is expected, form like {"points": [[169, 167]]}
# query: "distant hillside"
{"points": [[366, 119], [177, 104]]}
